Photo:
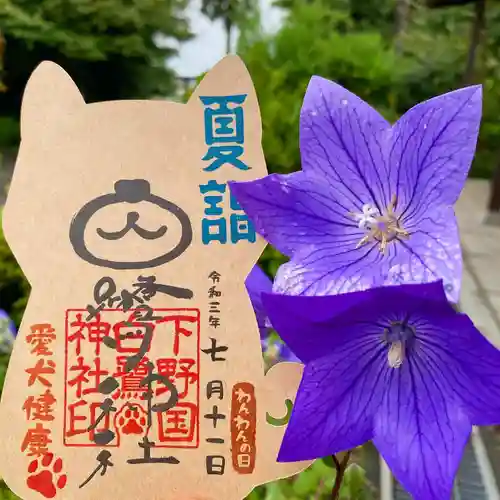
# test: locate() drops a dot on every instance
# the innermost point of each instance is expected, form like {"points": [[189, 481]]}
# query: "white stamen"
{"points": [[396, 354], [382, 228], [367, 217]]}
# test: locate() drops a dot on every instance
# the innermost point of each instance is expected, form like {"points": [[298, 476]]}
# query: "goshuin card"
{"points": [[137, 371]]}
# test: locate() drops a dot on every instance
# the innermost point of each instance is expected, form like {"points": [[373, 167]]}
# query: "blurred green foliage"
{"points": [[357, 50], [5, 493], [310, 43], [114, 49], [316, 483], [14, 288]]}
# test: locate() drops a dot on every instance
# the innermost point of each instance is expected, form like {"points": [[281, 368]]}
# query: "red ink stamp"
{"points": [[174, 352], [46, 476]]}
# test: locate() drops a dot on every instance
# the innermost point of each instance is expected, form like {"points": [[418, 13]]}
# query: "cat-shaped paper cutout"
{"points": [[121, 219]]}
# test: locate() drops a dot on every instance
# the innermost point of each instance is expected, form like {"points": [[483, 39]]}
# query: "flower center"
{"points": [[383, 228], [399, 336]]}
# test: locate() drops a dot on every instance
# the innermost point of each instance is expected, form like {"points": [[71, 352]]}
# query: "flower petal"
{"points": [[286, 354], [421, 430], [333, 269], [256, 283], [431, 253], [295, 210], [313, 326], [307, 324], [432, 290], [343, 140], [336, 401], [433, 146], [303, 219], [477, 372]]}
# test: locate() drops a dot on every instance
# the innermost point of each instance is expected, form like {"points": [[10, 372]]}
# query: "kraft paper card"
{"points": [[137, 372]]}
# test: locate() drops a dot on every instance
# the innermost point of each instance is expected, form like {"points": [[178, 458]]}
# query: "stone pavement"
{"points": [[480, 296]]}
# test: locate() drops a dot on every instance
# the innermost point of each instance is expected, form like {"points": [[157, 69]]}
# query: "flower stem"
{"points": [[340, 468]]}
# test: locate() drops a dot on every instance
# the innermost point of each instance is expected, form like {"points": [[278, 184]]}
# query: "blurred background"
{"points": [[392, 53]]}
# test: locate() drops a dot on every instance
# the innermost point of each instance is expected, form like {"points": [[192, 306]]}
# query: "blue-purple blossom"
{"points": [[396, 365], [373, 204], [7, 332], [256, 283]]}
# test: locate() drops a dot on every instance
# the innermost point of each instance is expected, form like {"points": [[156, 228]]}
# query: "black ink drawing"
{"points": [[131, 192]]}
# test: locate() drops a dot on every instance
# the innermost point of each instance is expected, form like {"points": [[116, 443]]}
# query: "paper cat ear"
{"points": [[50, 95], [227, 106], [228, 78]]}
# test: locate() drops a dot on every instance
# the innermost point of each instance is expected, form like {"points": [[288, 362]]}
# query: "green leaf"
{"points": [[306, 483], [273, 492]]}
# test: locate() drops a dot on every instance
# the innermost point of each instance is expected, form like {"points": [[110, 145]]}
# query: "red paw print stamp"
{"points": [[45, 475], [132, 419]]}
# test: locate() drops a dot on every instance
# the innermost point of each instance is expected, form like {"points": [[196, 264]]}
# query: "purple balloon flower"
{"points": [[258, 282], [373, 204], [396, 365]]}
